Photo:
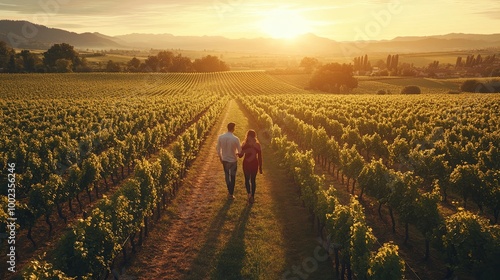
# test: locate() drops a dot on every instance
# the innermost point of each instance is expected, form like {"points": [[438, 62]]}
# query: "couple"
{"points": [[229, 148]]}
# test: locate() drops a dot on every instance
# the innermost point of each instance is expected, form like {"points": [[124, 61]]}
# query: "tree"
{"points": [[166, 60], [61, 51], [152, 63], [5, 54], [309, 64], [209, 63], [14, 65], [133, 65], [332, 77], [182, 64], [113, 66], [63, 66], [470, 85], [29, 60], [395, 62], [411, 90]]}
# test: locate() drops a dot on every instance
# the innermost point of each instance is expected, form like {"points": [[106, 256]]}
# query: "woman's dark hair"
{"points": [[250, 134]]}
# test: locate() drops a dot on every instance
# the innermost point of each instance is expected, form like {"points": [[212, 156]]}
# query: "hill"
{"points": [[23, 34]]}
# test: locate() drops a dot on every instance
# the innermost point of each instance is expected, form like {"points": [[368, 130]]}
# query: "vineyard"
{"points": [[98, 156]]}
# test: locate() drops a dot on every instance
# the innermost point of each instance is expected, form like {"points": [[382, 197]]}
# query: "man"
{"points": [[228, 148]]}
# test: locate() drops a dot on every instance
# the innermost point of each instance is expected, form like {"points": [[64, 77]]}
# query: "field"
{"points": [[391, 85], [117, 174]]}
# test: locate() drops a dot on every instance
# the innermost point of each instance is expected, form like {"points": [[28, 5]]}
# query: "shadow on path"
{"points": [[209, 249], [232, 257]]}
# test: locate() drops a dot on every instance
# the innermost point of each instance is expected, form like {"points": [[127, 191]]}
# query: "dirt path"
{"points": [[206, 236]]}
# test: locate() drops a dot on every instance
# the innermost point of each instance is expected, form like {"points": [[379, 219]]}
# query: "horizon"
{"points": [[259, 37], [370, 20]]}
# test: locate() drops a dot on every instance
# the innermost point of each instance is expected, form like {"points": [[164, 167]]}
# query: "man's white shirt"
{"points": [[228, 145]]}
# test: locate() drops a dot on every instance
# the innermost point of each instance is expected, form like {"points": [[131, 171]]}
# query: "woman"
{"points": [[252, 162]]}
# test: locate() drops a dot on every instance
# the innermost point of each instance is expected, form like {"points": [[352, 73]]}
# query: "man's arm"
{"points": [[238, 146], [217, 148]]}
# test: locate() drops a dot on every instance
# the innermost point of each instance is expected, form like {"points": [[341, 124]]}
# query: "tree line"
{"points": [[472, 65], [63, 58]]}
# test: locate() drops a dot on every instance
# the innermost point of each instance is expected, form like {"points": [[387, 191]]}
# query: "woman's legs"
{"points": [[252, 179], [250, 185], [247, 181]]}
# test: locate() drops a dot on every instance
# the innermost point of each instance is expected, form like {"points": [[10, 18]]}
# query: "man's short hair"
{"points": [[230, 126]]}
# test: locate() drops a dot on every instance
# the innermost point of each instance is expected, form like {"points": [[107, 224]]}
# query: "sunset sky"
{"points": [[338, 20]]}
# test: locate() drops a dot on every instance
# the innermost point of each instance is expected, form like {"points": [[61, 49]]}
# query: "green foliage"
{"points": [[309, 64], [334, 77], [404, 196], [467, 180], [375, 178], [326, 202], [3, 211], [339, 224], [471, 243], [429, 217], [386, 264], [209, 63], [41, 199], [113, 66], [362, 242], [169, 169], [40, 269], [411, 90], [95, 245], [61, 58]]}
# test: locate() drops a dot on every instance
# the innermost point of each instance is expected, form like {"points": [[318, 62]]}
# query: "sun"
{"points": [[284, 23]]}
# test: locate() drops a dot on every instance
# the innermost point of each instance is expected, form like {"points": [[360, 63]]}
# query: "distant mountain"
{"points": [[23, 34], [308, 44], [451, 36]]}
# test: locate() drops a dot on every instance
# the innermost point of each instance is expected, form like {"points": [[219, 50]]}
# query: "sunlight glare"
{"points": [[285, 24]]}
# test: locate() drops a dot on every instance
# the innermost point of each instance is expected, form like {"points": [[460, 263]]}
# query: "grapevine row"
{"points": [[397, 190], [89, 248], [349, 238]]}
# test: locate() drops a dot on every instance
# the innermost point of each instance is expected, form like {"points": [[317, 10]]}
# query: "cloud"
{"points": [[493, 14]]}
